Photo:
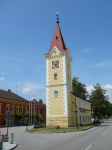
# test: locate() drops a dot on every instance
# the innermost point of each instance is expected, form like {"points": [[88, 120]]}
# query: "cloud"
{"points": [[88, 49], [89, 88], [108, 86], [26, 90], [32, 87], [2, 78], [103, 64]]}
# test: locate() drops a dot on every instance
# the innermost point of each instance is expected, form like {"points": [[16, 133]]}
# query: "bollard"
{"points": [[26, 128], [0, 133], [11, 138]]}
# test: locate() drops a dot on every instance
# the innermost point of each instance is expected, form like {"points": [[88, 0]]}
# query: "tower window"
{"points": [[72, 103], [56, 93], [55, 76], [68, 65]]}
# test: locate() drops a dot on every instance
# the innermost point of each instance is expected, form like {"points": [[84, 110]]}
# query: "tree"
{"points": [[99, 101], [41, 101], [79, 88], [18, 116], [30, 115], [38, 116]]}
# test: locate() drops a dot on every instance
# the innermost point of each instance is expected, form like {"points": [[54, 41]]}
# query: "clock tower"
{"points": [[58, 82]]}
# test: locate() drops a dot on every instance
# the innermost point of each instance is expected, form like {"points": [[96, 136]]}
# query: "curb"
{"points": [[61, 131], [14, 147]]}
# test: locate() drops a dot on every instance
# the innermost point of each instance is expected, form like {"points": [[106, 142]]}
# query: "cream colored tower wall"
{"points": [[58, 108]]}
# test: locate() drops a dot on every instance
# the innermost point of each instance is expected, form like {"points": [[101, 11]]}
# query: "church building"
{"points": [[61, 101]]}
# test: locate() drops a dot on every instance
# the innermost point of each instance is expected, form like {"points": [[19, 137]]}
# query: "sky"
{"points": [[26, 31]]}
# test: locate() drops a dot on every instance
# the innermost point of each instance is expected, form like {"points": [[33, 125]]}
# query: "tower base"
{"points": [[62, 121]]}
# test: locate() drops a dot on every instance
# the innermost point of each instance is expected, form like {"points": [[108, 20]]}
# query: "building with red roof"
{"points": [[10, 101]]}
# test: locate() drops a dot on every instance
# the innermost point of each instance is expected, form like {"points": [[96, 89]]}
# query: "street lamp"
{"points": [[76, 116], [8, 113], [26, 121]]}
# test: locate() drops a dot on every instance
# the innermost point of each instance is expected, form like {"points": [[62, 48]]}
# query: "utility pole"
{"points": [[34, 108], [16, 88], [29, 107]]}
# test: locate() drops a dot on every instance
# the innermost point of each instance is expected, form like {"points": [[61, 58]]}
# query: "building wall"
{"points": [[4, 103], [80, 104]]}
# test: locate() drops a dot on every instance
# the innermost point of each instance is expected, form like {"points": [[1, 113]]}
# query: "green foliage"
{"points": [[38, 115], [41, 101], [4, 122], [25, 121], [80, 124], [79, 88], [94, 122], [18, 115], [30, 115], [99, 101]]}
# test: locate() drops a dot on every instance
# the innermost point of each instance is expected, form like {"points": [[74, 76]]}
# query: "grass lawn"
{"points": [[48, 129]]}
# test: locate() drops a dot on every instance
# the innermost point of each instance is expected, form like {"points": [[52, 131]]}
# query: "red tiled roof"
{"points": [[58, 41], [12, 96], [38, 104]]}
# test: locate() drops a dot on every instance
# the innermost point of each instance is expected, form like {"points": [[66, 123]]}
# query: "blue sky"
{"points": [[26, 31]]}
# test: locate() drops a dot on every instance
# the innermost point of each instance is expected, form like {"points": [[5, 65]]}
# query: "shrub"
{"points": [[95, 122], [80, 124], [4, 122]]}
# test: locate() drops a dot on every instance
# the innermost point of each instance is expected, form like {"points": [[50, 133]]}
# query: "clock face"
{"points": [[56, 93], [55, 64]]}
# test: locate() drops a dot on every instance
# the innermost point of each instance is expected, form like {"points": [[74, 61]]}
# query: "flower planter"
{"points": [[1, 145], [4, 139]]}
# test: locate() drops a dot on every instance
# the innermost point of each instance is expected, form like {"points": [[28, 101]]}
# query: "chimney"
{"points": [[9, 90]]}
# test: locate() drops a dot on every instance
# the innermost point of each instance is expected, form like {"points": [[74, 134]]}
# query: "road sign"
{"points": [[8, 113]]}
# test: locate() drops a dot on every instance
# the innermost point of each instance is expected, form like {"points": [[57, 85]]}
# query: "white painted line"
{"points": [[104, 133], [88, 147]]}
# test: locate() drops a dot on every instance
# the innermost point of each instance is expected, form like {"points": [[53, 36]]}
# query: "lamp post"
{"points": [[26, 121], [8, 113], [76, 116]]}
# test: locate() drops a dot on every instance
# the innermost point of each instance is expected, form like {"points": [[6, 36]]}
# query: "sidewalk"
{"points": [[8, 146]]}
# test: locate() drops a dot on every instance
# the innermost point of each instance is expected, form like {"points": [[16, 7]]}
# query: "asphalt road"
{"points": [[98, 138]]}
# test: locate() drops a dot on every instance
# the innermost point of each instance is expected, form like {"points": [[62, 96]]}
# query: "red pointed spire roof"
{"points": [[58, 40]]}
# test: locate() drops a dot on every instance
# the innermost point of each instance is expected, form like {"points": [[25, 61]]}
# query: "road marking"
{"points": [[104, 133], [88, 147]]}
